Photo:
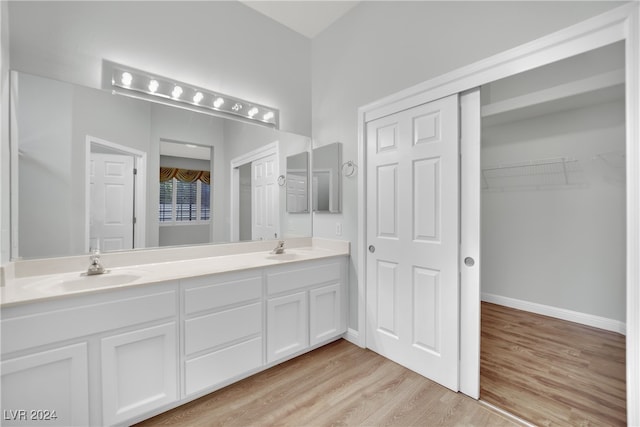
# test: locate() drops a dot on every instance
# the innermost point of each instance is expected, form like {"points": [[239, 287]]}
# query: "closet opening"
{"points": [[553, 239]]}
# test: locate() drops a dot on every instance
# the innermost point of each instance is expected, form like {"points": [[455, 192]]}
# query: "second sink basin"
{"points": [[284, 257]]}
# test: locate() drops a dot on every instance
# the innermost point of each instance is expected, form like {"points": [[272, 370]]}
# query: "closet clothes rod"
{"points": [[535, 173]]}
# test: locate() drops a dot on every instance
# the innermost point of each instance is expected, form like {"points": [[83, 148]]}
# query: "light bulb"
{"points": [[153, 86], [177, 91], [218, 102], [198, 97], [126, 78], [268, 116], [252, 112]]}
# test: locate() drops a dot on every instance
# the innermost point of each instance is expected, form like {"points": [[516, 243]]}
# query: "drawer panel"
{"points": [[23, 332], [215, 368], [220, 328], [217, 295], [290, 280]]}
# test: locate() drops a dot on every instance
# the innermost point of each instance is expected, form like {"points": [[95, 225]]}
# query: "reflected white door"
{"points": [[111, 212], [265, 201], [297, 193], [413, 237]]}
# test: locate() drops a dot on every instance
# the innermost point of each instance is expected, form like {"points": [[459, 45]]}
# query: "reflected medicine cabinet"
{"points": [[327, 178]]}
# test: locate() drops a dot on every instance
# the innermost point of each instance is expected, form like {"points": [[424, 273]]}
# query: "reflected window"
{"points": [[185, 196]]}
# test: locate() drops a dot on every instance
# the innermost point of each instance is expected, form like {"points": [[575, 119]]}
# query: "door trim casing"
{"points": [[619, 24], [140, 188], [251, 156]]}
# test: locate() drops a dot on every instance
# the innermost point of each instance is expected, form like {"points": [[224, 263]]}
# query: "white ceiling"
{"points": [[307, 17]]}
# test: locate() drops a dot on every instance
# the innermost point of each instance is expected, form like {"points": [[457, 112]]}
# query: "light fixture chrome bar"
{"points": [[144, 85]]}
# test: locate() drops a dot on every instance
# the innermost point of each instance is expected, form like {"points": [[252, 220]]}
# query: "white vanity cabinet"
{"points": [[305, 306], [118, 356], [139, 372], [223, 334], [49, 387], [97, 359]]}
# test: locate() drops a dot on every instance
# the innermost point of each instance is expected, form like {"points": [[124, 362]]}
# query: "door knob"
{"points": [[372, 248], [469, 262]]}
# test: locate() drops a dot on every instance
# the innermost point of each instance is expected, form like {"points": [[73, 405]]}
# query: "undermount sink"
{"points": [[284, 257], [85, 282]]}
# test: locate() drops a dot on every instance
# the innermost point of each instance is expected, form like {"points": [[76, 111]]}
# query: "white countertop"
{"points": [[20, 290]]}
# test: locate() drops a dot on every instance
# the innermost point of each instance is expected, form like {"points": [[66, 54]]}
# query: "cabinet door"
{"points": [[287, 326], [139, 372], [48, 388], [326, 319]]}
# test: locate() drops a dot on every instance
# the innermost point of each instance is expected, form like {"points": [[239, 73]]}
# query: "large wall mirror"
{"points": [[100, 170]]}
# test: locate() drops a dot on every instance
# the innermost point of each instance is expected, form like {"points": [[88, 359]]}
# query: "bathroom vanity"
{"points": [[145, 338]]}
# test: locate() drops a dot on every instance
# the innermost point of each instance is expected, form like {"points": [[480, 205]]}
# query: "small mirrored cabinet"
{"points": [[297, 183], [326, 178]]}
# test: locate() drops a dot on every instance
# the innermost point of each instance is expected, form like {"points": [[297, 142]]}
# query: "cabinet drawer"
{"points": [[284, 281], [32, 330], [223, 327], [219, 294], [215, 368]]}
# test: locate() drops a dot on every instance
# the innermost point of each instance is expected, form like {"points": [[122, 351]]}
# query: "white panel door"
{"points": [[413, 237], [265, 201], [112, 209], [297, 192]]}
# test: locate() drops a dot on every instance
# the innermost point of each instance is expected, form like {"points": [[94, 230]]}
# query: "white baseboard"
{"points": [[558, 313], [353, 337]]}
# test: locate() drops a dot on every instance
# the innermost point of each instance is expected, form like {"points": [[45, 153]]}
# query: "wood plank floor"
{"points": [[338, 384], [551, 372]]}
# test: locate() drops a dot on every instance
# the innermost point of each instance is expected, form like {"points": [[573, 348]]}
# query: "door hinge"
{"points": [[135, 171], [135, 220]]}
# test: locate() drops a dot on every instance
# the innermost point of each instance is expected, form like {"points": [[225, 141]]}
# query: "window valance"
{"points": [[184, 175]]}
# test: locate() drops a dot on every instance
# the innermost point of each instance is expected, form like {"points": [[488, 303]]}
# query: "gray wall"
{"points": [[559, 246], [380, 48], [54, 119], [241, 139], [377, 49], [5, 224], [219, 45]]}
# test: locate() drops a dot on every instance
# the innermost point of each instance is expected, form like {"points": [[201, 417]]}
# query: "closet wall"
{"points": [[553, 198]]}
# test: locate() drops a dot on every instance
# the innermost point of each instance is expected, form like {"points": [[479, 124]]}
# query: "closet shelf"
{"points": [[580, 93], [534, 175]]}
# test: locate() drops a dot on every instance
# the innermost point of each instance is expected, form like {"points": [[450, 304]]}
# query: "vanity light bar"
{"points": [[145, 85]]}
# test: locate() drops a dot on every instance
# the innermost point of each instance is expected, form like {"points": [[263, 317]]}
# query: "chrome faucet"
{"points": [[95, 267], [279, 249]]}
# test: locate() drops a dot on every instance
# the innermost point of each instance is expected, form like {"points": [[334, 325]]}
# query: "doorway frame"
{"points": [[139, 190], [234, 195], [619, 24]]}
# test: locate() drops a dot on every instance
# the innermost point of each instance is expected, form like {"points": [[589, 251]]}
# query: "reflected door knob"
{"points": [[372, 248], [469, 262]]}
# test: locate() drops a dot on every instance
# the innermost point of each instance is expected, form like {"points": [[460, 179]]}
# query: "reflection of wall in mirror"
{"points": [[297, 183], [245, 202], [322, 184], [174, 124], [54, 119], [326, 178]]}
